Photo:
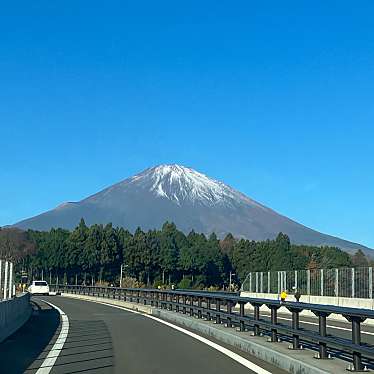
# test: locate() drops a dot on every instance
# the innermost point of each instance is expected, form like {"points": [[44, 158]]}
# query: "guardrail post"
{"points": [[177, 306], [218, 311], [256, 317], [274, 322], [199, 303], [229, 312], [242, 314], [208, 306], [295, 326], [163, 300], [269, 283], [156, 296], [191, 306], [356, 340], [172, 297], [322, 347], [184, 300]]}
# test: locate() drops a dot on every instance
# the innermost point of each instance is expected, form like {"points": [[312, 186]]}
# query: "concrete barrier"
{"points": [[14, 313]]}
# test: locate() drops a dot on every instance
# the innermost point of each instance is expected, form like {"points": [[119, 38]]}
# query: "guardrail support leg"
{"points": [[229, 311], [256, 316], [184, 300], [191, 306], [295, 326], [241, 313], [177, 306], [218, 309], [171, 299], [356, 339], [199, 311], [208, 306], [274, 321], [323, 333]]}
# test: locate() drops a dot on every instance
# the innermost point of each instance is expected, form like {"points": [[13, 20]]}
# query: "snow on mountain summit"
{"points": [[181, 184]]}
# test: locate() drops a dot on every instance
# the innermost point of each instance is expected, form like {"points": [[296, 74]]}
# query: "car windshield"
{"points": [[41, 283]]}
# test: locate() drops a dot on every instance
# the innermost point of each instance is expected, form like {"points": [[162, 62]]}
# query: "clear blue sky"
{"points": [[274, 98]]}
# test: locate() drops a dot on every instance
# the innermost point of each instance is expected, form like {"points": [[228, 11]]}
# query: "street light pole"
{"points": [[231, 274], [123, 266]]}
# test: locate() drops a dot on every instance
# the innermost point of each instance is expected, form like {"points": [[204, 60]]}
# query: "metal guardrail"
{"points": [[209, 305]]}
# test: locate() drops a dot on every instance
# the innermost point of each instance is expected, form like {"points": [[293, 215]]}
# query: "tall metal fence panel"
{"points": [[339, 282], [7, 286]]}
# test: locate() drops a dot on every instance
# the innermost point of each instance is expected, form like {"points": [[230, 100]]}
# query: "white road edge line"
{"points": [[51, 358], [234, 356]]}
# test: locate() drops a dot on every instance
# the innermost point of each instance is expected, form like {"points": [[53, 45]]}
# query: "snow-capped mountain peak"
{"points": [[180, 184], [186, 197]]}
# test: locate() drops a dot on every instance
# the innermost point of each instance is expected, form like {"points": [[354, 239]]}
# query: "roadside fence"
{"points": [[339, 282], [7, 284]]}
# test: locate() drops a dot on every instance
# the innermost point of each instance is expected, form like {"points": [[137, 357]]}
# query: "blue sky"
{"points": [[274, 98]]}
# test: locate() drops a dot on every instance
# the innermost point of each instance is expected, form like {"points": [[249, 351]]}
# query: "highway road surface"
{"points": [[85, 337]]}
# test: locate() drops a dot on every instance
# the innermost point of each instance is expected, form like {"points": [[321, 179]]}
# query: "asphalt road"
{"points": [[103, 339]]}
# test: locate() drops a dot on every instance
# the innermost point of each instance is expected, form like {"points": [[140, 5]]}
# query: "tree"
{"points": [[359, 259], [75, 249], [91, 254], [15, 244], [168, 250]]}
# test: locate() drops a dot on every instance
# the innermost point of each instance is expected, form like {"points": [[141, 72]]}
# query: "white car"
{"points": [[39, 288]]}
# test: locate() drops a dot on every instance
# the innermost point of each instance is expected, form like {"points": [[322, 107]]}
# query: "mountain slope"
{"points": [[188, 198]]}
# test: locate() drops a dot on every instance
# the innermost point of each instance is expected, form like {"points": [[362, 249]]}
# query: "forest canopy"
{"points": [[94, 254]]}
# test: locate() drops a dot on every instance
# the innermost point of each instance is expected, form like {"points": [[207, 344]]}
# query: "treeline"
{"points": [[94, 254]]}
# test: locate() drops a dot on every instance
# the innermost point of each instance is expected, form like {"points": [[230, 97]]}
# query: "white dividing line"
{"points": [[330, 326], [51, 358], [234, 356]]}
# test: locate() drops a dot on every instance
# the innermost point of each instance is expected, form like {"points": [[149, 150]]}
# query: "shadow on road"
{"points": [[20, 350], [88, 348]]}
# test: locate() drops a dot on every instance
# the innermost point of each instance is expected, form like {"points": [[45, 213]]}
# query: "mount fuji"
{"points": [[186, 197]]}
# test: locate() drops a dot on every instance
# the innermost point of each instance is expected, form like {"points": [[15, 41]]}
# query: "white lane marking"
{"points": [[330, 326], [234, 356], [51, 358]]}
